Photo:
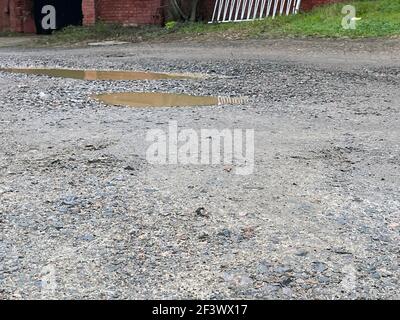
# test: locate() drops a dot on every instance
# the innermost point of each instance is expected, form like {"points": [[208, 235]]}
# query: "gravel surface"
{"points": [[84, 215]]}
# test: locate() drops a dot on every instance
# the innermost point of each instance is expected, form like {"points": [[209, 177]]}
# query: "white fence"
{"points": [[250, 10]]}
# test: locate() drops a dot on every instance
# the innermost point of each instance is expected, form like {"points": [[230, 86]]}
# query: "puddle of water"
{"points": [[153, 99], [99, 75]]}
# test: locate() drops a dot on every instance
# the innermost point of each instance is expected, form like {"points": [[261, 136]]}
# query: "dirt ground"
{"points": [[16, 41], [84, 215]]}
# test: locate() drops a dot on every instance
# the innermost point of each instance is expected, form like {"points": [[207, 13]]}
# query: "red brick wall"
{"points": [[4, 15], [130, 12], [16, 15], [309, 4], [89, 11]]}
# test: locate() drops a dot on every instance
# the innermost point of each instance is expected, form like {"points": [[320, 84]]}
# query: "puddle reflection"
{"points": [[99, 75], [154, 99]]}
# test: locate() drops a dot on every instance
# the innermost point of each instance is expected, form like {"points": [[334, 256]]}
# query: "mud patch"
{"points": [[100, 75]]}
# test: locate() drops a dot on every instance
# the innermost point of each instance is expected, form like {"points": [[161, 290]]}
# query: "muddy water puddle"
{"points": [[134, 99], [100, 75], [155, 99]]}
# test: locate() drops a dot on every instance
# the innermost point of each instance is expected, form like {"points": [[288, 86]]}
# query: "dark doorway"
{"points": [[68, 12]]}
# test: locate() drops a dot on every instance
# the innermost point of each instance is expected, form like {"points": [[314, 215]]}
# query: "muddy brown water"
{"points": [[98, 75], [155, 99], [132, 99]]}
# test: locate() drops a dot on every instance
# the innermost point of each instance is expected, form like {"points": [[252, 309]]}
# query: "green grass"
{"points": [[102, 31], [379, 18], [11, 34]]}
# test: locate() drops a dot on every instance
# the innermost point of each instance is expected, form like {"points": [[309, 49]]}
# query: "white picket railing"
{"points": [[250, 10]]}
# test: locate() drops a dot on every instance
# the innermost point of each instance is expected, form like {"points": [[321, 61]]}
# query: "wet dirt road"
{"points": [[82, 209]]}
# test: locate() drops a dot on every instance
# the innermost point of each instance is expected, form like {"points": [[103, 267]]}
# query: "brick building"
{"points": [[25, 15]]}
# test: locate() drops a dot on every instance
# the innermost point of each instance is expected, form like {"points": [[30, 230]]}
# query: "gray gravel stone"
{"points": [[319, 218]]}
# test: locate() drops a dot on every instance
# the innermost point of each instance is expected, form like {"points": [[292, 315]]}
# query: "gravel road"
{"points": [[83, 215]]}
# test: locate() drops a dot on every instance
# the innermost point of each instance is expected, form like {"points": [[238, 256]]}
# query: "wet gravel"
{"points": [[319, 218]]}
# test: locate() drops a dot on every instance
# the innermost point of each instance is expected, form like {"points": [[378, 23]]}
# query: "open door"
{"points": [[68, 12]]}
